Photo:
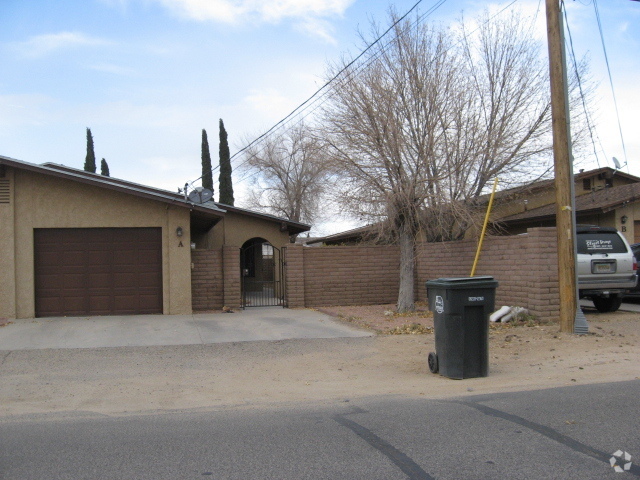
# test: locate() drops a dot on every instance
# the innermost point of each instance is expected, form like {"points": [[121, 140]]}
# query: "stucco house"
{"points": [[604, 196], [76, 243]]}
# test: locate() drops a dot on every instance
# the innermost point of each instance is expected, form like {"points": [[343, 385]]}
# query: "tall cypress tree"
{"points": [[90, 159], [224, 180], [207, 174], [104, 168]]}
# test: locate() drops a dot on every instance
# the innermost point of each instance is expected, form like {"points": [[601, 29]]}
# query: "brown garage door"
{"points": [[97, 271]]}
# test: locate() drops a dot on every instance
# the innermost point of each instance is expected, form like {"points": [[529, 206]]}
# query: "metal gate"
{"points": [[263, 275]]}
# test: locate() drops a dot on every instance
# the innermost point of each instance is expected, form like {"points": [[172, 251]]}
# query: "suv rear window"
{"points": [[600, 242]]}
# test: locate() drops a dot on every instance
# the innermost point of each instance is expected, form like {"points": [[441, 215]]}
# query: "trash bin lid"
{"points": [[463, 282]]}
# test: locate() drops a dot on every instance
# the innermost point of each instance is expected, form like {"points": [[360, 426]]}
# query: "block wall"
{"points": [[524, 265], [207, 280], [361, 275]]}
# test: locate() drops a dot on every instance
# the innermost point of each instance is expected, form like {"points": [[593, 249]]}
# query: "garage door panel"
{"points": [[72, 258], [43, 281], [99, 257], [147, 257], [98, 271], [125, 258], [99, 280], [74, 305], [73, 281], [150, 279], [125, 280], [50, 304], [50, 257], [147, 304], [101, 305], [124, 305]]}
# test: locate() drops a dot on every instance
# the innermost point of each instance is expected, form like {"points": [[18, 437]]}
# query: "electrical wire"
{"points": [[613, 93], [316, 100], [324, 87], [577, 73], [324, 90], [353, 71]]}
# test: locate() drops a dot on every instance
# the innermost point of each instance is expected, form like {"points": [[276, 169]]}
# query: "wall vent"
{"points": [[5, 190]]}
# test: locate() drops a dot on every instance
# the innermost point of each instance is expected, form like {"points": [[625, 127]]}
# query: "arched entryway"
{"points": [[263, 274]]}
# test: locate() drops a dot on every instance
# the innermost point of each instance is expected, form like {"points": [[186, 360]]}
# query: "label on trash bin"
{"points": [[476, 299], [439, 304]]}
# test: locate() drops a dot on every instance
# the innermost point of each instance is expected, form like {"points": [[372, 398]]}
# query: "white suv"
{"points": [[606, 266]]}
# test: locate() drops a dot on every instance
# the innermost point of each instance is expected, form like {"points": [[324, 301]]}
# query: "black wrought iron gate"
{"points": [[263, 276]]}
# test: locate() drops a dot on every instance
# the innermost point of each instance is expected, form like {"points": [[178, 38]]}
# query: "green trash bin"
{"points": [[461, 309]]}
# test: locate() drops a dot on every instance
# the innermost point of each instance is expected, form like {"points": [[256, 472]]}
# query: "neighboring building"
{"points": [[349, 237], [605, 197], [617, 207], [77, 243]]}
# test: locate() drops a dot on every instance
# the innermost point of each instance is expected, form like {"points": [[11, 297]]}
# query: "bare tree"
{"points": [[290, 175], [432, 118]]}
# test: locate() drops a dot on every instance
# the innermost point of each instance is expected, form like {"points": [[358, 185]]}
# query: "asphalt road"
{"points": [[565, 433]]}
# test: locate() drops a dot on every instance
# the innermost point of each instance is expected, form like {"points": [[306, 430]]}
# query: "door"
{"points": [[97, 271], [263, 275]]}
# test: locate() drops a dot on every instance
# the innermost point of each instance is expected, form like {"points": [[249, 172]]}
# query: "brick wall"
{"points": [[525, 267], [295, 277], [232, 279], [362, 275], [207, 283]]}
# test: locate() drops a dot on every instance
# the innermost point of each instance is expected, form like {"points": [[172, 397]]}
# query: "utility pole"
{"points": [[563, 167]]}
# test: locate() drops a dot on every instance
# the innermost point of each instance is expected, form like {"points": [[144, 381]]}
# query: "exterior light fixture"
{"points": [[623, 219], [179, 231]]}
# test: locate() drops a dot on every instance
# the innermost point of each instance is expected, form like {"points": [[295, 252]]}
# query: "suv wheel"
{"points": [[607, 304]]}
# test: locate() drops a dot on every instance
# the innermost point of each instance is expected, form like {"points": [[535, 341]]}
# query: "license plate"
{"points": [[604, 268]]}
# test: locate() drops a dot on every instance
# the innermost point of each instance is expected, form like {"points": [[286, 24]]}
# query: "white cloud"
{"points": [[226, 11], [278, 9], [271, 11], [41, 45], [317, 27], [308, 15]]}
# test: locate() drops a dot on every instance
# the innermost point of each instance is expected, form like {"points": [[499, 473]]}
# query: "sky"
{"points": [[148, 75]]}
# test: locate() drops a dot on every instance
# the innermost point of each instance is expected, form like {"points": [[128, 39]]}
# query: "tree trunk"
{"points": [[406, 291]]}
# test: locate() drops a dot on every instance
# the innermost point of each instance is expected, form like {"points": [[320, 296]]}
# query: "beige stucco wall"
{"points": [[235, 229], [7, 253], [42, 201], [632, 212]]}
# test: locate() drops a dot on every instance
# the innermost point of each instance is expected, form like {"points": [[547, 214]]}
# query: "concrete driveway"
{"points": [[252, 324]]}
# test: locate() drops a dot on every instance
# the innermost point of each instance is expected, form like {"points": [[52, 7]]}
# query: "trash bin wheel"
{"points": [[433, 362]]}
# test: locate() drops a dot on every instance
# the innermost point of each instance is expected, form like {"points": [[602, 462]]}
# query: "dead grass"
{"points": [[383, 319]]}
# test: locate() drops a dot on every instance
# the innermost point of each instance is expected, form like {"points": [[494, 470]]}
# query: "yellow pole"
{"points": [[484, 228]]}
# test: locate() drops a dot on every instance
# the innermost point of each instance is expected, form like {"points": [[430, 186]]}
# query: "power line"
{"points": [[349, 71], [613, 93], [575, 69], [329, 82]]}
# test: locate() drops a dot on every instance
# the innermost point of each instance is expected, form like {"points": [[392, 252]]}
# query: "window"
{"points": [[605, 242], [267, 250]]}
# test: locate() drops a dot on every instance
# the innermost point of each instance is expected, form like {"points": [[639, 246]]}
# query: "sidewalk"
{"points": [[252, 324]]}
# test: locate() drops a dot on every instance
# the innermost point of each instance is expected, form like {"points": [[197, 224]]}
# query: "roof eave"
{"points": [[104, 183]]}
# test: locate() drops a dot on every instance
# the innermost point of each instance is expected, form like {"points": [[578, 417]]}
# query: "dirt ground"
{"points": [[121, 381]]}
